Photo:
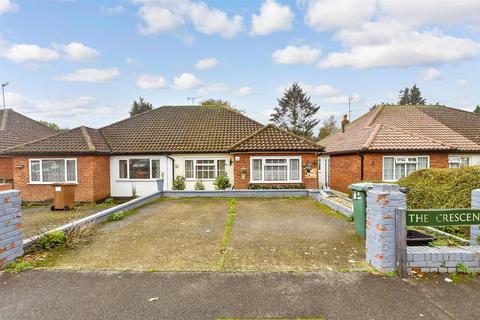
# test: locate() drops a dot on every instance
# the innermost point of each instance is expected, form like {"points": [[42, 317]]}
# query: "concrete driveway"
{"points": [[281, 234]]}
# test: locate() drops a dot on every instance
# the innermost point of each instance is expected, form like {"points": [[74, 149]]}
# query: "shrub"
{"points": [[253, 186], [179, 183], [199, 185], [442, 189], [108, 202], [51, 240], [119, 215], [16, 267], [222, 182]]}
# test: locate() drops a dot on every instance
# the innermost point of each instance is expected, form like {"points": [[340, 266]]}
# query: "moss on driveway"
{"points": [[175, 235], [280, 234], [291, 235]]}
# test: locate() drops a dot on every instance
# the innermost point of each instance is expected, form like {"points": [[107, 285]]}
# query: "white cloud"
{"points": [[296, 55], [7, 6], [151, 82], [77, 51], [158, 19], [133, 62], [323, 90], [91, 75], [215, 87], [169, 15], [244, 91], [28, 52], [431, 74], [432, 11], [273, 17], [328, 14], [342, 99], [372, 47], [110, 11], [186, 81], [462, 82], [206, 63]]}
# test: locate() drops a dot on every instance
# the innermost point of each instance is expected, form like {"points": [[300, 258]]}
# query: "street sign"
{"points": [[443, 217]]}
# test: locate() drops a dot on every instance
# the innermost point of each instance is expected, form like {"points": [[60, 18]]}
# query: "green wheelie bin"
{"points": [[359, 199]]}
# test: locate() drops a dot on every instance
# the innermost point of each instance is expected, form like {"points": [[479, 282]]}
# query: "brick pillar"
{"points": [[475, 230], [382, 200], [11, 228]]}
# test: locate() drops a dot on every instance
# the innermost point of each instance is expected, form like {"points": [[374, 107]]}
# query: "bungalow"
{"points": [[16, 129], [390, 142], [132, 155]]}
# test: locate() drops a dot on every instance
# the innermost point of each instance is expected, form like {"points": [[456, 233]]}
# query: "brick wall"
{"points": [[346, 169], [6, 168], [93, 180], [241, 181], [11, 228]]}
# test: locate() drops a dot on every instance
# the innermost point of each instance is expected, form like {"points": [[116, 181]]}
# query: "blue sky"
{"points": [[83, 62]]}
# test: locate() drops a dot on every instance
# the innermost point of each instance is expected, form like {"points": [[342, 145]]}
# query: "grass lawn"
{"points": [[217, 234], [38, 219]]}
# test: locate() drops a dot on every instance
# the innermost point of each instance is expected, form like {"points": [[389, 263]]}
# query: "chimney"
{"points": [[344, 122]]}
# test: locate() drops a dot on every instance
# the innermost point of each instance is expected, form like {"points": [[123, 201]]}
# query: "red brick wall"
{"points": [[93, 180], [242, 183], [345, 169], [6, 168]]}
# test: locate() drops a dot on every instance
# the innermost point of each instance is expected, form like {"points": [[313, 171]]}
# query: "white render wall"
{"points": [[123, 188], [190, 184]]}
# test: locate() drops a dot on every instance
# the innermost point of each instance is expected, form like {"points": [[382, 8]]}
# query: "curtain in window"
{"points": [[220, 167], [257, 169], [139, 169], [71, 172], [189, 169], [53, 170], [422, 163], [388, 169], [205, 169], [35, 171], [123, 169], [294, 169], [156, 169]]}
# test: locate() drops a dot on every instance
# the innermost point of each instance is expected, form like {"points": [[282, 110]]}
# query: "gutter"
{"points": [[173, 167], [362, 159]]}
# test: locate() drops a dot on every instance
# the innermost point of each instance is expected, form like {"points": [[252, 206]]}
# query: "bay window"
{"points": [[204, 169], [53, 170], [275, 169], [139, 169], [395, 168], [458, 161]]}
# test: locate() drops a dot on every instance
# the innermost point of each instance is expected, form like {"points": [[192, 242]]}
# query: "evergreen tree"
{"points": [[220, 103], [411, 96], [53, 126], [477, 109], [295, 112], [140, 107], [329, 126]]}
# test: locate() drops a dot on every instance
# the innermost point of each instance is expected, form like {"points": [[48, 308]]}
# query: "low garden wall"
{"points": [[243, 193], [346, 211], [11, 228]]}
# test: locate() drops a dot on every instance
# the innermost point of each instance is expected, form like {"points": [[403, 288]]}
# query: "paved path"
{"points": [[106, 295]]}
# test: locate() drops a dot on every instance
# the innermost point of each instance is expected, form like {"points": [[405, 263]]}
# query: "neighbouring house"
{"points": [[135, 155], [390, 142], [16, 129]]}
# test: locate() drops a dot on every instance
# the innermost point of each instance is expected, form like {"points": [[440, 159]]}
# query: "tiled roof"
{"points": [[177, 129], [403, 128], [271, 138], [16, 129], [169, 129], [81, 140]]}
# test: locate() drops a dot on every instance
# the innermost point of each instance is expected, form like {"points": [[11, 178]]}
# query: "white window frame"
{"points": [[215, 164], [288, 158], [40, 160], [395, 161], [469, 157], [128, 169]]}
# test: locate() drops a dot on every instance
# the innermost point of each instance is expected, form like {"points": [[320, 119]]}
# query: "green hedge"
{"points": [[442, 189], [253, 186]]}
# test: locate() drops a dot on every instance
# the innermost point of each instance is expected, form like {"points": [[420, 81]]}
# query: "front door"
{"points": [[324, 172]]}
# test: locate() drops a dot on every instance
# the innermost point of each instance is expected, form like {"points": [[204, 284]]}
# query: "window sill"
{"points": [[51, 183], [277, 182], [139, 180]]}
